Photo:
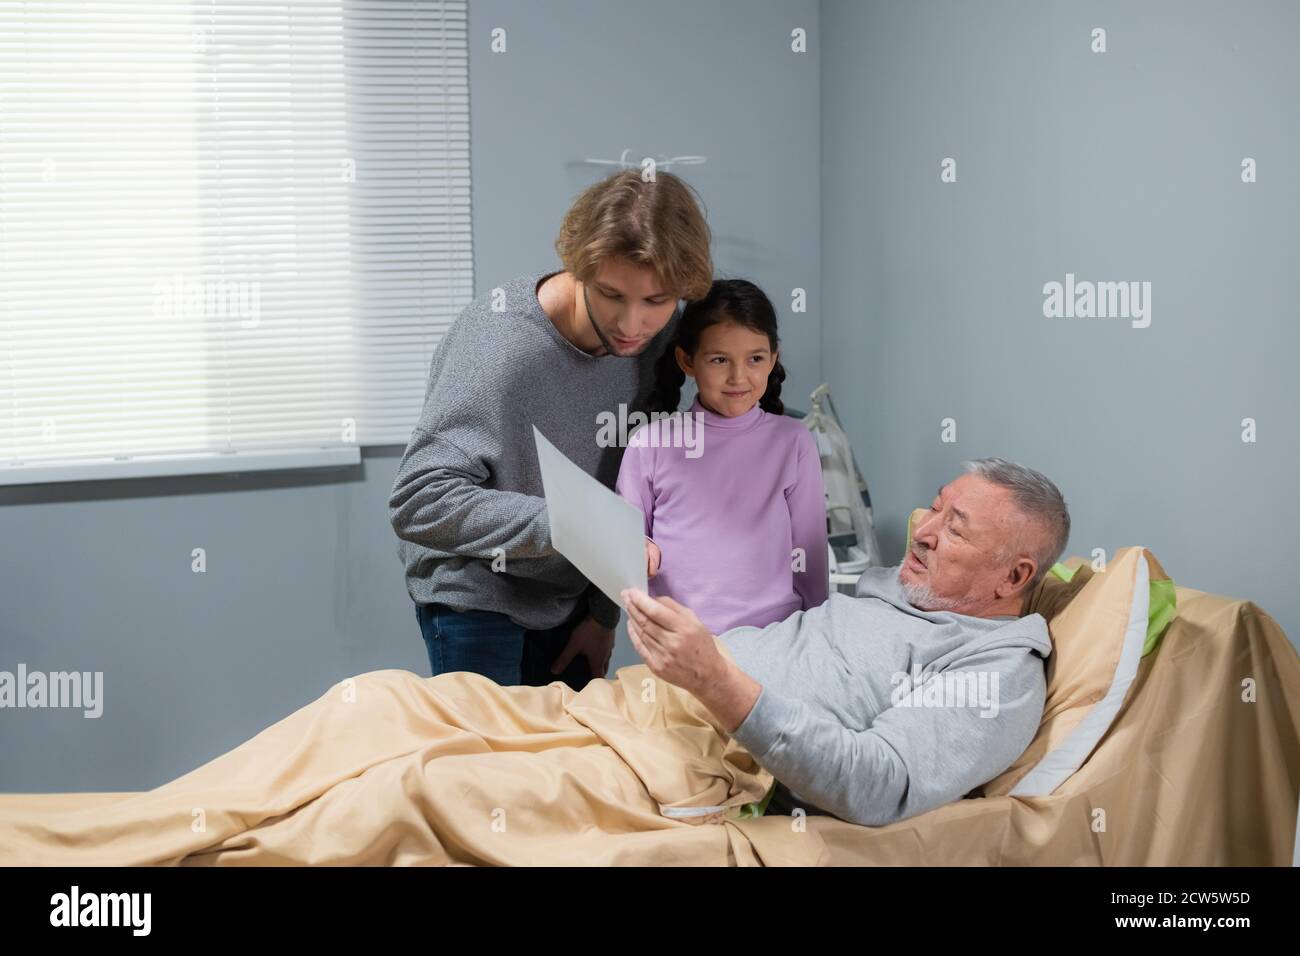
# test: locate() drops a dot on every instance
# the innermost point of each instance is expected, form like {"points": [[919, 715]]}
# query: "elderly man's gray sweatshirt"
{"points": [[468, 503], [873, 711]]}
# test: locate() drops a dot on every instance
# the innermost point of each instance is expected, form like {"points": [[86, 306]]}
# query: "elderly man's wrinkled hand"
{"points": [[672, 641]]}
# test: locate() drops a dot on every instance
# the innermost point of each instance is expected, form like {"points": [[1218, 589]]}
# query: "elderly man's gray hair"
{"points": [[1037, 498]]}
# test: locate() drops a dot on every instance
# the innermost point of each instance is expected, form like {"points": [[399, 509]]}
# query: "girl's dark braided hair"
{"points": [[728, 300]]}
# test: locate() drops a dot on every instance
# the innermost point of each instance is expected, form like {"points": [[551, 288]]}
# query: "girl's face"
{"points": [[730, 367]]}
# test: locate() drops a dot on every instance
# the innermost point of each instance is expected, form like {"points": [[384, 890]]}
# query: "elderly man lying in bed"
{"points": [[872, 708], [907, 696]]}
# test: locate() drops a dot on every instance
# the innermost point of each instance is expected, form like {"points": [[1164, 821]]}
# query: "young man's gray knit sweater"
{"points": [[469, 491], [842, 730]]}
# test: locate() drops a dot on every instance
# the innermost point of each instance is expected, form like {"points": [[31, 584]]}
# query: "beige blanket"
{"points": [[392, 768]]}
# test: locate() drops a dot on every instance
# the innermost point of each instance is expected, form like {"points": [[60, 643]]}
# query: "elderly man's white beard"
{"points": [[923, 598]]}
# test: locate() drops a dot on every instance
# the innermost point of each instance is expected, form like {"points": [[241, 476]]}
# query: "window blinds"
{"points": [[231, 234]]}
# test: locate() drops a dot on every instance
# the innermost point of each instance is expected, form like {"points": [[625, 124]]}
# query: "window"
{"points": [[231, 234]]}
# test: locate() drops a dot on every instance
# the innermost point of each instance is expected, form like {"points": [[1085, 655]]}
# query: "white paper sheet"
{"points": [[601, 533]]}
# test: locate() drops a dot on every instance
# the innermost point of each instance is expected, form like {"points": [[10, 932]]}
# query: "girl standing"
{"points": [[735, 510]]}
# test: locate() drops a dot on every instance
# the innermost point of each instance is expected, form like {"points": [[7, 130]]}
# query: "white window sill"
{"points": [[166, 465]]}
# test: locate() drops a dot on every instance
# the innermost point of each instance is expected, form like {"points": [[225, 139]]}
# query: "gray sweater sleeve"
{"points": [[438, 498], [438, 501], [911, 758]]}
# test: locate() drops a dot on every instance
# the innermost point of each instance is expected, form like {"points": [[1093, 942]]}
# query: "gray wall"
{"points": [[1116, 166], [303, 585]]}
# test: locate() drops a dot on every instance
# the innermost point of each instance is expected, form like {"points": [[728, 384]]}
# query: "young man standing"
{"points": [[555, 350]]}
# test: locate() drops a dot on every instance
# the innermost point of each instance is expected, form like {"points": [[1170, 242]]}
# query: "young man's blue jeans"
{"points": [[490, 644]]}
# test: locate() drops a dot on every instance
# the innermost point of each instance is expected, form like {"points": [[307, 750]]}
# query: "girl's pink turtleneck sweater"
{"points": [[729, 501]]}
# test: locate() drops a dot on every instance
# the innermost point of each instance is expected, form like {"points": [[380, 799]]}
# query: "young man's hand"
{"points": [[593, 640]]}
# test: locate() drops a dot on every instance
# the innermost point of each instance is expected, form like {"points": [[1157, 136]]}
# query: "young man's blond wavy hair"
{"points": [[659, 224]]}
